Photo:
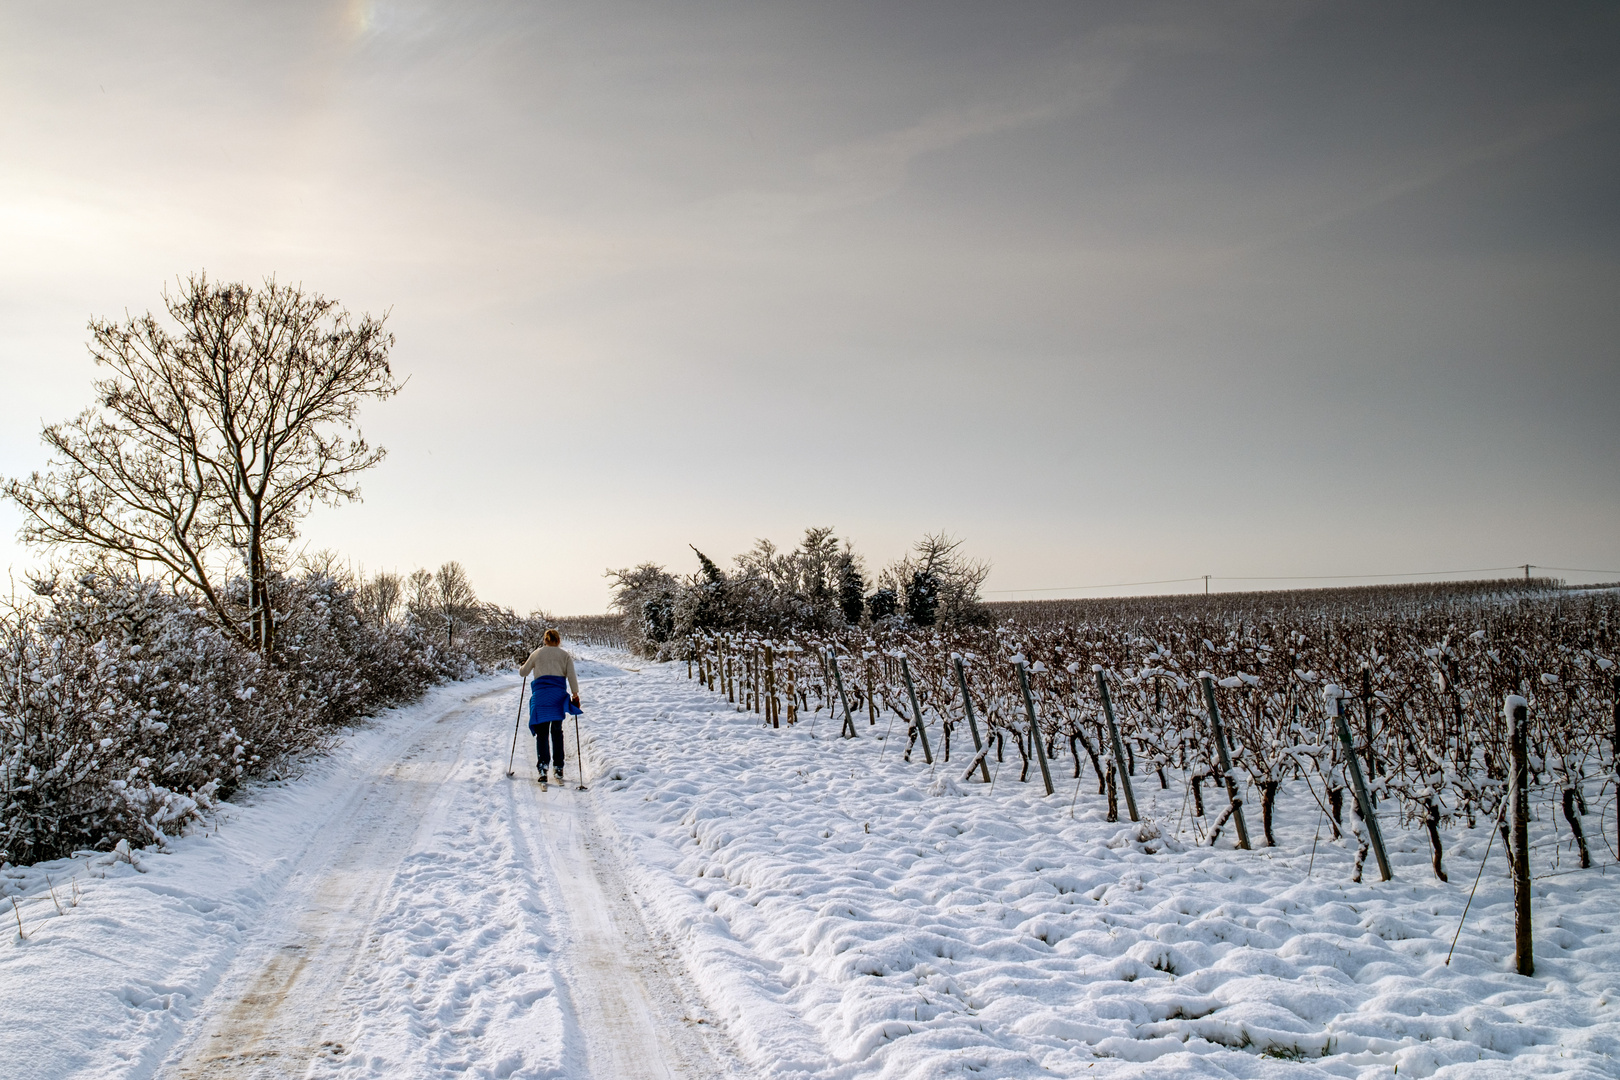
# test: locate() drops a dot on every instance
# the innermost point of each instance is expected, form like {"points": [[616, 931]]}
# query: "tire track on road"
{"points": [[273, 1013], [633, 1007], [437, 922]]}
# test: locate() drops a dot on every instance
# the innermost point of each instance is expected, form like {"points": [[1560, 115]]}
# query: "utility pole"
{"points": [[1527, 571], [1206, 584]]}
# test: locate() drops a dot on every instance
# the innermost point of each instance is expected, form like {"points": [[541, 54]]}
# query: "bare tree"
{"points": [[325, 562], [210, 441], [647, 596], [456, 599], [937, 580], [422, 596], [379, 597]]}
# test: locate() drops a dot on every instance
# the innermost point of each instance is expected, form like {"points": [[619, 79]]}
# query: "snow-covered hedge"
{"points": [[124, 709]]}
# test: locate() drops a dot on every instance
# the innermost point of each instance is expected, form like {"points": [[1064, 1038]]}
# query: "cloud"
{"points": [[869, 169], [1521, 133]]}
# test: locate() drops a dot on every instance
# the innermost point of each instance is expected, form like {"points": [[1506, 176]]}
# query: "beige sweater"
{"points": [[550, 660]]}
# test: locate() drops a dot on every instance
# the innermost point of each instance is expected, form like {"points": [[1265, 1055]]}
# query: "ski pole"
{"points": [[512, 757], [579, 755]]}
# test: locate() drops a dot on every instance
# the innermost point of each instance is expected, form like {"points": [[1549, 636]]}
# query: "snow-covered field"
{"points": [[851, 917], [734, 900]]}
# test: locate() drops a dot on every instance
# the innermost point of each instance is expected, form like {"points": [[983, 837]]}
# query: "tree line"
{"points": [[820, 585]]}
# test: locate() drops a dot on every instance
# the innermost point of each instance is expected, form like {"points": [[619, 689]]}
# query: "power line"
{"points": [[1302, 577], [1121, 585], [1573, 570], [1352, 577]]}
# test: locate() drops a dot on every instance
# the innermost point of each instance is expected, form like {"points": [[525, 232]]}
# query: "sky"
{"points": [[1283, 293]]}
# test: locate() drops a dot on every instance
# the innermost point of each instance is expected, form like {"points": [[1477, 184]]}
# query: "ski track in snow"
{"points": [[734, 901], [845, 923]]}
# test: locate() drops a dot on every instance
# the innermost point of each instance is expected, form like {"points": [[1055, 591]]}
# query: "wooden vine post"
{"points": [[1225, 759], [1358, 784], [1034, 728], [1615, 754], [1119, 746], [916, 713], [1367, 728], [770, 688], [838, 677], [791, 683], [1518, 717], [973, 724]]}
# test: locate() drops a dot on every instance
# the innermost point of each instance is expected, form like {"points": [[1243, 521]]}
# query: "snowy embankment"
{"points": [[849, 914]]}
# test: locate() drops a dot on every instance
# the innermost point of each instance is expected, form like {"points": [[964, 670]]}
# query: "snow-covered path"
{"points": [[634, 1006], [283, 1002], [401, 909], [360, 906], [414, 925]]}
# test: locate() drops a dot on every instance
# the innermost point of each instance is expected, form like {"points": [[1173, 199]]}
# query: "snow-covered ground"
{"points": [[848, 914], [732, 900]]}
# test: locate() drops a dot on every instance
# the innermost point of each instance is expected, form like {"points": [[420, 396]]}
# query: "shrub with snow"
{"points": [[125, 710]]}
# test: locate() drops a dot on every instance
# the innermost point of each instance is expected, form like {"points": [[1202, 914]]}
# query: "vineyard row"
{"points": [[1395, 714]]}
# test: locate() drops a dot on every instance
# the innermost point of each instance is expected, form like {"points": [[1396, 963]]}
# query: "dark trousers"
{"points": [[548, 743]]}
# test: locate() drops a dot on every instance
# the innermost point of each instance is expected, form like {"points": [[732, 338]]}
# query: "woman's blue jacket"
{"points": [[549, 701]]}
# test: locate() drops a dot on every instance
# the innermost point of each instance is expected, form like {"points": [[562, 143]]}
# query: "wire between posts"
{"points": [[1495, 825]]}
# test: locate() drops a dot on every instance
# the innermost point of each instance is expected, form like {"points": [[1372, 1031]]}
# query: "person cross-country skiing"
{"points": [[554, 694]]}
